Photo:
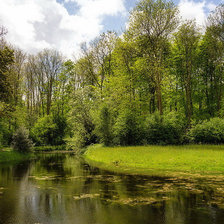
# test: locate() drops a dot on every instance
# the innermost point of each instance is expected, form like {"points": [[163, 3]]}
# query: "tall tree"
{"points": [[43, 71], [215, 22], [17, 75], [6, 60], [151, 23], [50, 64], [185, 52]]}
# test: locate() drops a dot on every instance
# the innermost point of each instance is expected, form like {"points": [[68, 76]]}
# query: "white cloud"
{"points": [[37, 24], [211, 6], [190, 9], [193, 10]]}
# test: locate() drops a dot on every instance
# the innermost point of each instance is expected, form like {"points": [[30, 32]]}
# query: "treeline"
{"points": [[34, 94], [161, 82]]}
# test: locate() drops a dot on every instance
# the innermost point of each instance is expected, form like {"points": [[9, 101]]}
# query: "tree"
{"points": [[83, 103], [21, 141], [50, 63], [210, 62], [16, 71], [96, 64], [151, 23], [6, 59], [63, 89], [43, 71], [185, 46], [215, 22], [6, 89], [105, 126]]}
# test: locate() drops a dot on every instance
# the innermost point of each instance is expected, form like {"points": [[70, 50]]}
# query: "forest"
{"points": [[160, 82]]}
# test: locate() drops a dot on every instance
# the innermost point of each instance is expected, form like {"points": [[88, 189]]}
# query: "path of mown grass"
{"points": [[190, 159], [8, 155]]}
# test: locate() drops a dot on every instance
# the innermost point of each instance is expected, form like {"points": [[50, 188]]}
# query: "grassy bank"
{"points": [[8, 155], [190, 159]]}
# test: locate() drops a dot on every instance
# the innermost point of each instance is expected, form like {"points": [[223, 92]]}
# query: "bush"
{"points": [[127, 129], [164, 130], [21, 141], [208, 132], [83, 135], [49, 130], [104, 129]]}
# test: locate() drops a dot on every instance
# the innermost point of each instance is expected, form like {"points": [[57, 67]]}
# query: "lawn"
{"points": [[193, 159]]}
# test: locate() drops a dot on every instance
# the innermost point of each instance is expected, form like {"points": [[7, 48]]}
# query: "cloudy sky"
{"points": [[65, 24]]}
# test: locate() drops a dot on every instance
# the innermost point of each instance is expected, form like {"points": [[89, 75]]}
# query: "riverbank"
{"points": [[8, 155], [161, 160], [50, 148]]}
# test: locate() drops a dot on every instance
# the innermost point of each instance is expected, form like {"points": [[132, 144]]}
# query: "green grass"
{"points": [[190, 159], [8, 155]]}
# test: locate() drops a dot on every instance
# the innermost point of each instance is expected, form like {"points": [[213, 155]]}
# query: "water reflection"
{"points": [[61, 188]]}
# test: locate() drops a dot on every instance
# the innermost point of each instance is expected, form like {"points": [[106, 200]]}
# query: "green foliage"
{"points": [[105, 126], [50, 148], [21, 141], [5, 134], [127, 129], [81, 117], [49, 130], [110, 94], [209, 132], [6, 59], [164, 130]]}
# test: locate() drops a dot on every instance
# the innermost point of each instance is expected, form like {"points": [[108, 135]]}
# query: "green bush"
{"points": [[104, 129], [127, 129], [49, 130], [208, 132], [21, 141], [164, 130], [83, 135]]}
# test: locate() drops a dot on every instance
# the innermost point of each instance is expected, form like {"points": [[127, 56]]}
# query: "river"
{"points": [[64, 189]]}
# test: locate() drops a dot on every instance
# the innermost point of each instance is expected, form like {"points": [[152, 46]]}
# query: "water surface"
{"points": [[63, 188]]}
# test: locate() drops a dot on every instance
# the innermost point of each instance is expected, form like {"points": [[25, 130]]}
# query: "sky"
{"points": [[65, 24]]}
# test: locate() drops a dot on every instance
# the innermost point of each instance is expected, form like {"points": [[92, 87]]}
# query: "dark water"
{"points": [[61, 188]]}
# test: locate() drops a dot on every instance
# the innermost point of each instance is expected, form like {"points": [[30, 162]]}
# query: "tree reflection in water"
{"points": [[61, 188]]}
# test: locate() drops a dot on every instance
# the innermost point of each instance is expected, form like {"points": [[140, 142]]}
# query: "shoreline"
{"points": [[11, 156]]}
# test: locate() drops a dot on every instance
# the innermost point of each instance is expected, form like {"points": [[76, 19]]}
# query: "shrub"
{"points": [[21, 141], [43, 131], [105, 127], [127, 129], [164, 130], [83, 134], [49, 130], [209, 132]]}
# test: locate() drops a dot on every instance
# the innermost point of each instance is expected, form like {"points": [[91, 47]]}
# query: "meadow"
{"points": [[188, 159]]}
